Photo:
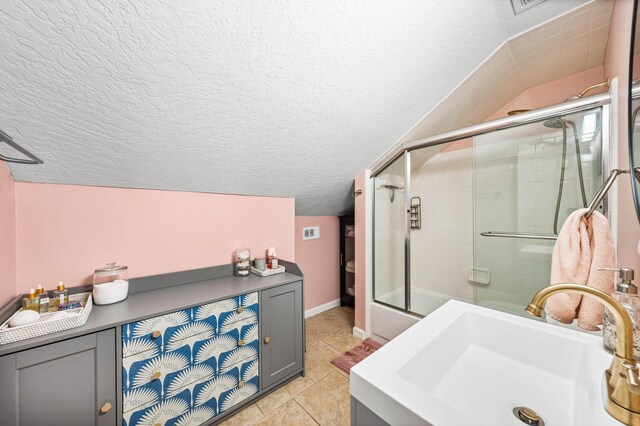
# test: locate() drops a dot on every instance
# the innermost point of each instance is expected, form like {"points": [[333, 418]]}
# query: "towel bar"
{"points": [[604, 189], [32, 158], [519, 235]]}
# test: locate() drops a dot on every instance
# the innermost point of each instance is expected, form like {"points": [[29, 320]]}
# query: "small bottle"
{"points": [[272, 258], [32, 301], [60, 295], [626, 293], [44, 299]]}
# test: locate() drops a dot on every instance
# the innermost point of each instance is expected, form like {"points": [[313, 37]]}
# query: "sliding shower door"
{"points": [[526, 182], [389, 235], [442, 240]]}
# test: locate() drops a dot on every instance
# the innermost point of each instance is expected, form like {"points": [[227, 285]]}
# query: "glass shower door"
{"points": [[527, 180], [389, 235]]}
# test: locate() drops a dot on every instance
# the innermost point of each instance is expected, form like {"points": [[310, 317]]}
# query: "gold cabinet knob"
{"points": [[155, 376], [240, 384], [105, 408], [240, 342], [240, 309], [267, 340], [156, 334]]}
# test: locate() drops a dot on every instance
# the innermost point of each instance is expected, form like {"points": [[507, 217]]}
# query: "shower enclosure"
{"points": [[493, 198]]}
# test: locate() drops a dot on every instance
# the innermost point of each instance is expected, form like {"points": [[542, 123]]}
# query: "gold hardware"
{"points": [[267, 340], [240, 384], [105, 408], [155, 376], [529, 415], [240, 309], [157, 424], [357, 193], [155, 334], [518, 111], [623, 387], [240, 342], [604, 84]]}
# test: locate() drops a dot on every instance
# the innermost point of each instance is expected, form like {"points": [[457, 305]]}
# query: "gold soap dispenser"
{"points": [[626, 293]]}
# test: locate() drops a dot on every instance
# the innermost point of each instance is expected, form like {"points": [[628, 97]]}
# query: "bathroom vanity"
{"points": [[191, 347]]}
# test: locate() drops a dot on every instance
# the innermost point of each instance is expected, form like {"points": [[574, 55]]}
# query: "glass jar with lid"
{"points": [[110, 284], [242, 266]]}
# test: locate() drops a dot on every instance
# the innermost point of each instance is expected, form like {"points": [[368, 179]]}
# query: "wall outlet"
{"points": [[311, 233]]}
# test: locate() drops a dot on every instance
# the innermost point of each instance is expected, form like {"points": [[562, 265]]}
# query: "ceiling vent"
{"points": [[522, 5]]}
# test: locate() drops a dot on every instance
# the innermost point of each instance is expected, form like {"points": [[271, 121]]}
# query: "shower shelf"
{"points": [[415, 214], [519, 235]]}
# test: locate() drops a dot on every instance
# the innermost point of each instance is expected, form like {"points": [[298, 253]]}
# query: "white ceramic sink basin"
{"points": [[468, 365]]}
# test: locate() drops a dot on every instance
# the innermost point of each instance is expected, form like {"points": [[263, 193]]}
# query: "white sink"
{"points": [[468, 365]]}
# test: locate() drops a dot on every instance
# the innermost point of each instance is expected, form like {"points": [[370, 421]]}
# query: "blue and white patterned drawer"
{"points": [[153, 330], [188, 366], [226, 390]]}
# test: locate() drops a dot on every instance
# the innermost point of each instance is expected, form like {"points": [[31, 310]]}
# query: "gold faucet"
{"points": [[623, 383]]}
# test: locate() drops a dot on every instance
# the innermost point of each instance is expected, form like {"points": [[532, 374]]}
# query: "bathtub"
{"points": [[387, 322]]}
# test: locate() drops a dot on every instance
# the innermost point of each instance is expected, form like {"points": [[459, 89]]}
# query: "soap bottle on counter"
{"points": [[626, 293], [272, 258], [32, 301], [60, 295], [44, 299]]}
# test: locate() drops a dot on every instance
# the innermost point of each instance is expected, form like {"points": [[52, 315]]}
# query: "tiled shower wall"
{"points": [[442, 250]]}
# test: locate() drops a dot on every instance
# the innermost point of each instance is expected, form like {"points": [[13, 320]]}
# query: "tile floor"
{"points": [[322, 396]]}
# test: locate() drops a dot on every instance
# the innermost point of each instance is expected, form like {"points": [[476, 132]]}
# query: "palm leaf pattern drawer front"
{"points": [[186, 373], [228, 389], [152, 331]]}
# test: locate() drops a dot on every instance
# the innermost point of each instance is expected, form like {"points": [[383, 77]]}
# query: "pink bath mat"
{"points": [[353, 356]]}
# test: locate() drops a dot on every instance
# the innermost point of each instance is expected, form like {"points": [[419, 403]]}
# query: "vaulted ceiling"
{"points": [[273, 98]]}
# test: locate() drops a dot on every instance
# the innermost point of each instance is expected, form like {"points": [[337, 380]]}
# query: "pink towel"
{"points": [[583, 246]]}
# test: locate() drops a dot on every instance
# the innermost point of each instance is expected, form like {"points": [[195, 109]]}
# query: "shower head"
{"points": [[555, 123], [392, 188]]}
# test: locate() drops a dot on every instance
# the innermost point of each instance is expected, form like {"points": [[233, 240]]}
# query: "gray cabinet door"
{"points": [[281, 322], [65, 383]]}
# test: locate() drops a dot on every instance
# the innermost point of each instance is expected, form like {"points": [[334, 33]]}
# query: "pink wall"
{"points": [[360, 257], [319, 260], [616, 63], [64, 232], [8, 235]]}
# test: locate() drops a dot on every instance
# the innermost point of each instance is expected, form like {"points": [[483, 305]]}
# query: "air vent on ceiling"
{"points": [[522, 5], [311, 233]]}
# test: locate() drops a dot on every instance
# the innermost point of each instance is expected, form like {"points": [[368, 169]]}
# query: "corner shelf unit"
{"points": [[347, 254]]}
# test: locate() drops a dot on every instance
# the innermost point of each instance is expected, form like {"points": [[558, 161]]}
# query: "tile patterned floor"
{"points": [[322, 396]]}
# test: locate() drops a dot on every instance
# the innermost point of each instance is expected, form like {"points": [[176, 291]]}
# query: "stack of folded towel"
{"points": [[584, 246], [350, 231], [351, 266]]}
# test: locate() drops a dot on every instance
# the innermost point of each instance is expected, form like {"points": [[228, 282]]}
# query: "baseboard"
{"points": [[358, 332], [318, 309]]}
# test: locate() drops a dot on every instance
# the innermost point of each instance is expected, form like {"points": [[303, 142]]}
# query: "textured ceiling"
{"points": [[276, 98]]}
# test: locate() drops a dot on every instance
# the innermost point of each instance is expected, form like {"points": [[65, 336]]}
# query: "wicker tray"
{"points": [[48, 322]]}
